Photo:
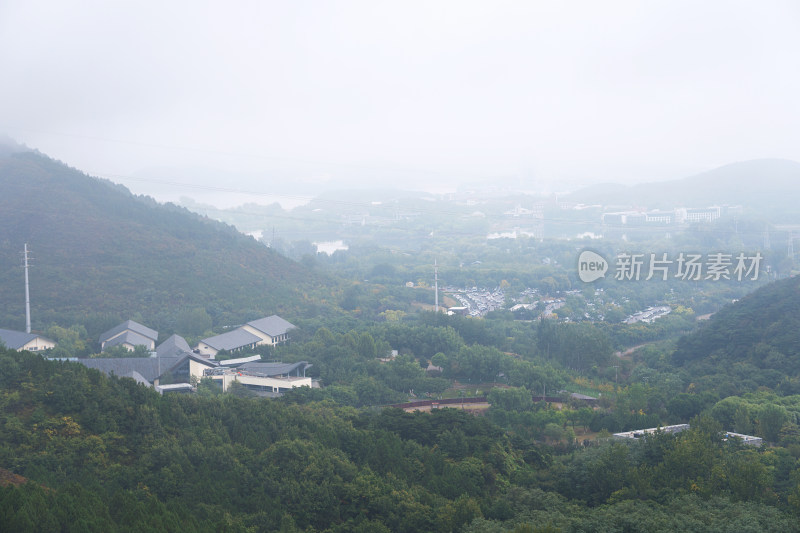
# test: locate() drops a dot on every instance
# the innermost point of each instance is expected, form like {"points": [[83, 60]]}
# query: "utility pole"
{"points": [[27, 294]]}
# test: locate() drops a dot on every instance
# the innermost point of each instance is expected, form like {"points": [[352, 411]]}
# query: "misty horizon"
{"points": [[542, 97]]}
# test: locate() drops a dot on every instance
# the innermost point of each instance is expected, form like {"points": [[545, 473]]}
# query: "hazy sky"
{"points": [[264, 95]]}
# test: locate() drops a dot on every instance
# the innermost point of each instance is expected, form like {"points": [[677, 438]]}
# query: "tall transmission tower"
{"points": [[436, 283], [790, 251], [27, 294]]}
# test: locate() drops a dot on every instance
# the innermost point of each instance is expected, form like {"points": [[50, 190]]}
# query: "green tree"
{"points": [[770, 420], [70, 342], [193, 322]]}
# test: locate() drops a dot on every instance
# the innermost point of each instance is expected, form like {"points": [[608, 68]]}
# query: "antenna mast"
{"points": [[27, 294], [436, 283]]}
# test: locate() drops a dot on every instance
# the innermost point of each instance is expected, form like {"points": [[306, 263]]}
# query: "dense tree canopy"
{"points": [[110, 455]]}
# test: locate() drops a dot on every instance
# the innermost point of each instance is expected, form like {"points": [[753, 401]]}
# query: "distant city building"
{"points": [[640, 218], [648, 315], [614, 219], [658, 217], [519, 211], [707, 214]]}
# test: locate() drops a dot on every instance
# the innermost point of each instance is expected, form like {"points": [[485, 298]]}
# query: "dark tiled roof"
{"points": [[272, 325], [15, 339], [173, 346], [232, 340], [150, 368], [130, 325], [129, 337]]}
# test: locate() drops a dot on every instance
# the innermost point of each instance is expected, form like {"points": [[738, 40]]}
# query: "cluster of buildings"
{"points": [[669, 217], [475, 301], [267, 331], [648, 315], [174, 366]]}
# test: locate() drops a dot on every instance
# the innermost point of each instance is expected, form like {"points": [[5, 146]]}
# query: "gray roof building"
{"points": [[232, 340], [135, 334], [267, 331], [130, 325], [128, 337], [272, 325], [18, 339]]}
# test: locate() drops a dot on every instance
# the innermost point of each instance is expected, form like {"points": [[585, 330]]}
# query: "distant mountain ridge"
{"points": [[760, 184], [97, 249]]}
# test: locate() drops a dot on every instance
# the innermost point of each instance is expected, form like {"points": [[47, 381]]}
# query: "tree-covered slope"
{"points": [[756, 340], [107, 455], [99, 250], [197, 462]]}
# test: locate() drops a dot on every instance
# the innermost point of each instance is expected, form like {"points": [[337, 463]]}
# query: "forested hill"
{"points": [[755, 341], [100, 253]]}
